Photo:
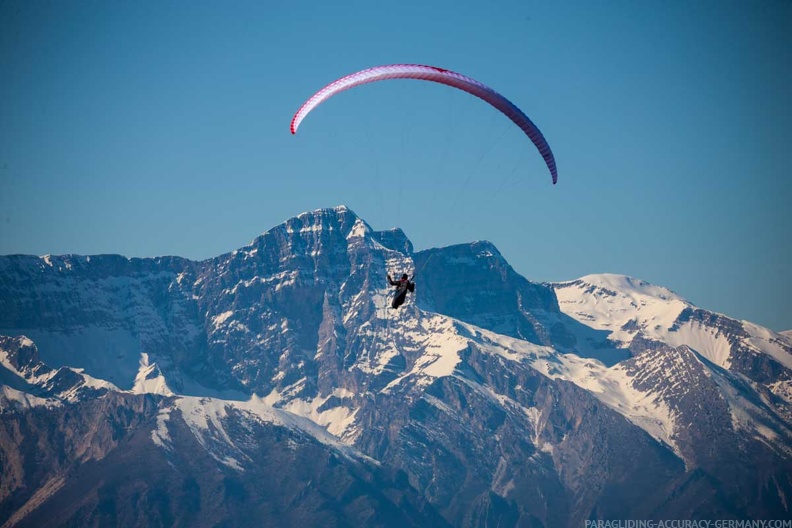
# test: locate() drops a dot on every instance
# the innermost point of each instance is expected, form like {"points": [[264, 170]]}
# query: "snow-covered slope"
{"points": [[625, 307]]}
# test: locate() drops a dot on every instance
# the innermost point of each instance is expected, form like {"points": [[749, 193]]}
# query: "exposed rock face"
{"points": [[94, 462], [473, 283], [274, 385]]}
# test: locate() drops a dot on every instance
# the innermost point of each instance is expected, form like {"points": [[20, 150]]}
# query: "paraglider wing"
{"points": [[438, 75]]}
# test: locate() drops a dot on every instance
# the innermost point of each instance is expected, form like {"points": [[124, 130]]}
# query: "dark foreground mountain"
{"points": [[273, 386]]}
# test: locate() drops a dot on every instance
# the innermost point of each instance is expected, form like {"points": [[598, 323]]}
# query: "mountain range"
{"points": [[274, 385]]}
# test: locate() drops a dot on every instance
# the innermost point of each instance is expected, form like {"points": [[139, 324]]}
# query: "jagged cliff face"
{"points": [[275, 380]]}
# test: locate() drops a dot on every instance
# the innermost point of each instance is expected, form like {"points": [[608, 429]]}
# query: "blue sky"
{"points": [[162, 128]]}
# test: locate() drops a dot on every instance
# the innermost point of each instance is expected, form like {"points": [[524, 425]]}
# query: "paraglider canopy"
{"points": [[438, 75]]}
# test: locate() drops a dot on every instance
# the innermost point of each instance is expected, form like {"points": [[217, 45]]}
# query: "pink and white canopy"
{"points": [[438, 75]]}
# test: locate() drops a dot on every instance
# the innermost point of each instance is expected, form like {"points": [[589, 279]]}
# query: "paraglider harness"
{"points": [[402, 287]]}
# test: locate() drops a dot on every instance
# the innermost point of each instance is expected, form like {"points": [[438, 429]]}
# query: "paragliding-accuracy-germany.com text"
{"points": [[678, 523]]}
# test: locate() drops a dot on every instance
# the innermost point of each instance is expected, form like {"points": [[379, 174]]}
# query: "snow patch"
{"points": [[160, 436], [149, 379], [12, 398], [708, 342], [612, 386], [359, 229], [314, 228], [748, 416], [337, 420], [206, 418], [767, 341], [219, 319], [441, 344]]}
